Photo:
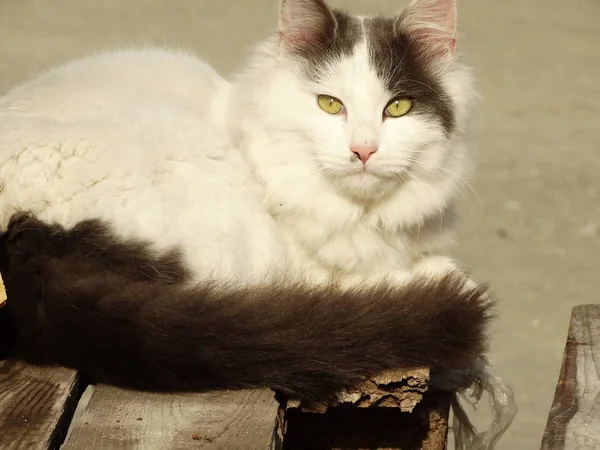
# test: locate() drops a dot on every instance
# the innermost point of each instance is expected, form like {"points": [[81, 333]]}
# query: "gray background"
{"points": [[536, 239]]}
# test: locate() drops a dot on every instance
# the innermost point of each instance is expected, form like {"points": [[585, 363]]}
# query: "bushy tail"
{"points": [[83, 299]]}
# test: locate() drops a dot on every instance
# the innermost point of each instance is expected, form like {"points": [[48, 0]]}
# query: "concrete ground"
{"points": [[535, 231]]}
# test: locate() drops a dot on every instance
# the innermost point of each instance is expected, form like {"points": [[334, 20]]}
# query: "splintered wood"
{"points": [[397, 389], [392, 411]]}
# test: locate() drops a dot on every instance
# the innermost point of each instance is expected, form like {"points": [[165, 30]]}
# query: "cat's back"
{"points": [[106, 84], [126, 137], [129, 118], [117, 116]]}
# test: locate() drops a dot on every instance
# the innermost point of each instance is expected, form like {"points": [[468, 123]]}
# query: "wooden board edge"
{"points": [[61, 430], [401, 389], [565, 402], [39, 403]]}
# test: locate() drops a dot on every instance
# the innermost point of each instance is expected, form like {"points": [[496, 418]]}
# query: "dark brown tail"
{"points": [[82, 298]]}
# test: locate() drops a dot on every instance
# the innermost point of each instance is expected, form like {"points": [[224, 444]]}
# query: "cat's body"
{"points": [[101, 136], [256, 181]]}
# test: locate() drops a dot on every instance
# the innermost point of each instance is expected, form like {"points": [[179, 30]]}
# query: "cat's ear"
{"points": [[433, 22], [303, 22]]}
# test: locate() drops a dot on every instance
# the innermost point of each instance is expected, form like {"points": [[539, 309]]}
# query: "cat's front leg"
{"points": [[435, 266], [397, 277]]}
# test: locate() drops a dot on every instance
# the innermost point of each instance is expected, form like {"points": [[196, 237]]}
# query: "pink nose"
{"points": [[364, 152]]}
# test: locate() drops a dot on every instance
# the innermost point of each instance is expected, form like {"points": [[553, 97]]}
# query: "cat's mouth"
{"points": [[368, 169], [377, 176], [371, 173]]}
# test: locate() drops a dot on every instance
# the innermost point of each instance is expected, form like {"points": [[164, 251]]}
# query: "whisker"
{"points": [[488, 214], [426, 185], [481, 201]]}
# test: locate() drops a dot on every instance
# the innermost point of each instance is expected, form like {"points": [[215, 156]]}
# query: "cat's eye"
{"points": [[330, 105], [398, 107]]}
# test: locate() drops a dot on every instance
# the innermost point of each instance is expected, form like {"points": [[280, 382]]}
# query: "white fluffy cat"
{"points": [[336, 152], [170, 212]]}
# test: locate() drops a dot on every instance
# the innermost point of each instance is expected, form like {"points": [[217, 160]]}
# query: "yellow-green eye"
{"points": [[398, 107], [329, 104]]}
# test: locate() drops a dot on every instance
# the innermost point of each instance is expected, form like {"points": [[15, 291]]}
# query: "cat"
{"points": [[166, 228]]}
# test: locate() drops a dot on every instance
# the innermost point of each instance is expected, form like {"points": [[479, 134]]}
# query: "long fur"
{"points": [[85, 299], [247, 175], [204, 191]]}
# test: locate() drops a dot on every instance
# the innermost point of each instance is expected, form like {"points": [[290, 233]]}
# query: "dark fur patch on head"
{"points": [[405, 66], [336, 37], [84, 298]]}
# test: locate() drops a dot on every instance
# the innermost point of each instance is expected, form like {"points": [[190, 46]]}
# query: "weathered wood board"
{"points": [[36, 405], [121, 419], [574, 419], [401, 389]]}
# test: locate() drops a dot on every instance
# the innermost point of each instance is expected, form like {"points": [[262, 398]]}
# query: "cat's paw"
{"points": [[435, 266], [439, 267], [394, 277]]}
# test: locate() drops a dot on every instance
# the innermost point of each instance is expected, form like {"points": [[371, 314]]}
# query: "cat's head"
{"points": [[370, 103]]}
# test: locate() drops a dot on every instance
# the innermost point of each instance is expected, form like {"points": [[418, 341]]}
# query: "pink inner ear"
{"points": [[298, 32], [297, 39], [301, 21], [433, 21]]}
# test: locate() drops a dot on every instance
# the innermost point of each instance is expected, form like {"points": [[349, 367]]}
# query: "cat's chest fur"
{"points": [[343, 240]]}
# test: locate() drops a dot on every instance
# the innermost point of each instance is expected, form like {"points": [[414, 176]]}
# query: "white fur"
{"points": [[245, 178]]}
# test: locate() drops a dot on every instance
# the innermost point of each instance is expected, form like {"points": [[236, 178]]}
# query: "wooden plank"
{"points": [[574, 419], [36, 405], [116, 418]]}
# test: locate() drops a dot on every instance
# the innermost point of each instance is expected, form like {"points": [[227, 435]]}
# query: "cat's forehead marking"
{"points": [[356, 82], [336, 40], [405, 69]]}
